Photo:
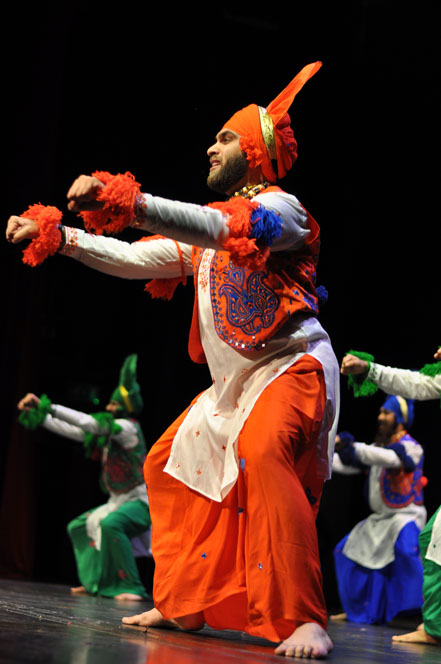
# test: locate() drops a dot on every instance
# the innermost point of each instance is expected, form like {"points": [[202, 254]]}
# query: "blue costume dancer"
{"points": [[379, 570]]}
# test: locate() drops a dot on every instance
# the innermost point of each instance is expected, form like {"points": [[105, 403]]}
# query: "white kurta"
{"points": [[238, 377]]}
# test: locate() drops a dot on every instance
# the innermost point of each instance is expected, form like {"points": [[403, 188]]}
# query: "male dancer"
{"points": [[101, 536], [422, 385], [379, 571], [235, 483]]}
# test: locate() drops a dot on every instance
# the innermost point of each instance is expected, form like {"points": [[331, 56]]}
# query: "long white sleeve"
{"points": [[294, 219], [372, 455], [139, 260], [64, 429], [207, 227], [339, 467], [186, 222], [73, 423], [405, 383]]}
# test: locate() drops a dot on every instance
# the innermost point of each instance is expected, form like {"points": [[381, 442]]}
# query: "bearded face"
{"points": [[386, 426], [229, 167], [224, 176]]}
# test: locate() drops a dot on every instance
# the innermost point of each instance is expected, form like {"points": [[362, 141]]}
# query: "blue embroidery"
{"points": [[240, 510], [310, 301], [242, 464], [251, 304], [399, 488], [204, 555], [400, 451], [260, 566]]}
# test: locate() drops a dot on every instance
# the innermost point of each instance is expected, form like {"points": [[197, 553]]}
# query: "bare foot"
{"points": [[308, 640], [122, 597], [338, 616], [79, 590], [420, 636], [153, 618]]}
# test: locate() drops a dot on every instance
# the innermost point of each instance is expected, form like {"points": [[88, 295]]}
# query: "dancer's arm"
{"points": [[73, 424], [208, 227], [405, 454], [203, 226], [343, 469], [402, 382], [405, 383], [140, 260], [156, 258], [127, 437]]}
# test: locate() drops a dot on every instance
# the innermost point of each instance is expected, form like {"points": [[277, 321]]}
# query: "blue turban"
{"points": [[402, 408]]}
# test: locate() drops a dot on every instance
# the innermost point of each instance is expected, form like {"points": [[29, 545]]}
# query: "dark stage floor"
{"points": [[44, 623]]}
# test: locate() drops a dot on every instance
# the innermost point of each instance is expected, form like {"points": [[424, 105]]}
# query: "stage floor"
{"points": [[45, 623]]}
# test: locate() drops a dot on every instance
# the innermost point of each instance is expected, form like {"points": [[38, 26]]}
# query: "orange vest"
{"points": [[249, 307]]}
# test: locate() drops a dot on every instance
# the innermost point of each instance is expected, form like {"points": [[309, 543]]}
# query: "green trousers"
{"points": [[112, 570], [431, 584]]}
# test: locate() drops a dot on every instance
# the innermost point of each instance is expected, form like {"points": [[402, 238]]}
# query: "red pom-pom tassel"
{"points": [[47, 218], [118, 197], [243, 250], [164, 289]]}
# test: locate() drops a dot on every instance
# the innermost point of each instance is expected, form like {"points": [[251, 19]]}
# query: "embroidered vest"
{"points": [[249, 307], [122, 468], [398, 488]]}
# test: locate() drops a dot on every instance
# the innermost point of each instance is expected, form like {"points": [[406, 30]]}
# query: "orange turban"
{"points": [[266, 134]]}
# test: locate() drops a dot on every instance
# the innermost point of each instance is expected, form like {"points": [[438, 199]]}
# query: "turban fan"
{"points": [[247, 124]]}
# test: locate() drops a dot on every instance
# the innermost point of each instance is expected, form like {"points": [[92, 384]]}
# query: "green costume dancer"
{"points": [[101, 537], [422, 385]]}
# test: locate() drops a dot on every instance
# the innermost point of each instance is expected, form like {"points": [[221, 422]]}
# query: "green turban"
{"points": [[128, 392]]}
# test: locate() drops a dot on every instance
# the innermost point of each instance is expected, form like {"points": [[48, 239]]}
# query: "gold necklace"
{"points": [[251, 190]]}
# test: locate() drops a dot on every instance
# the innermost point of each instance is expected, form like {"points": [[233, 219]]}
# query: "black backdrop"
{"points": [[145, 89]]}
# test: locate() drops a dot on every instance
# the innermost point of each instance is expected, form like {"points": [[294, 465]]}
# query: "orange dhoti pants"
{"points": [[250, 562]]}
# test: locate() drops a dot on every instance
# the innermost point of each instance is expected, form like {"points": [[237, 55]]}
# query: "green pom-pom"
{"points": [[432, 370], [34, 417], [360, 385], [92, 441]]}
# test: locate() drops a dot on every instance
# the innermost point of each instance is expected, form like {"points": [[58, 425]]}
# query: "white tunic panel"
{"points": [[204, 451]]}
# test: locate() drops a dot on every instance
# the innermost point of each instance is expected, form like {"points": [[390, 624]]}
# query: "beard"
{"points": [[226, 176], [384, 434]]}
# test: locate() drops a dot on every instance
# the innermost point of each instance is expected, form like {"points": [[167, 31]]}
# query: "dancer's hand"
{"points": [[28, 402], [437, 355], [83, 192], [353, 365], [19, 229]]}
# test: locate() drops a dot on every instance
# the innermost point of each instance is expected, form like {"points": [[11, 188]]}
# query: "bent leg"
{"points": [[431, 585], [119, 572], [86, 556], [219, 558], [280, 490], [168, 502], [431, 632]]}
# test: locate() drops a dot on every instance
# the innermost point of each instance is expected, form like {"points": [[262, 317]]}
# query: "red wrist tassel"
{"points": [[164, 289], [243, 250], [119, 200], [47, 218]]}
